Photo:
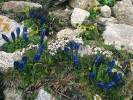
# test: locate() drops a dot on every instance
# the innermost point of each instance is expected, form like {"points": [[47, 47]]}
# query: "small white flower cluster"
{"points": [[97, 97], [116, 71], [53, 46], [97, 50]]}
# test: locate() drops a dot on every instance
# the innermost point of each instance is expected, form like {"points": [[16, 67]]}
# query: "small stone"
{"points": [[15, 6], [65, 33], [106, 11], [78, 16], [43, 95]]}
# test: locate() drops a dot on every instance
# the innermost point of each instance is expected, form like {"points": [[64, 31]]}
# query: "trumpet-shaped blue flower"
{"points": [[122, 83], [18, 31], [111, 64], [25, 37], [91, 75], [43, 31], [66, 49], [117, 78], [109, 85], [100, 84], [21, 65], [43, 20], [109, 71], [13, 36], [75, 59], [96, 61], [5, 38], [16, 64], [72, 44], [31, 13], [35, 15], [40, 49], [24, 58], [24, 29], [77, 46], [102, 61], [37, 57]]}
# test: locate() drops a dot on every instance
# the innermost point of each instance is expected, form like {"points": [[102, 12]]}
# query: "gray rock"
{"points": [[65, 33], [120, 35], [103, 20], [43, 95], [128, 1], [123, 12], [105, 11], [78, 16], [82, 3], [16, 6], [6, 26], [79, 3], [12, 94], [7, 60]]}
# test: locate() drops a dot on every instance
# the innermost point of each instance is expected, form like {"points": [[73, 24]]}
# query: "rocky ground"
{"points": [[65, 16]]}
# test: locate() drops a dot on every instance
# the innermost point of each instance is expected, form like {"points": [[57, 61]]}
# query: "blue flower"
{"points": [[109, 85], [42, 35], [109, 71], [24, 29], [31, 13], [91, 75], [122, 83], [18, 31], [37, 57], [117, 78], [13, 36], [76, 47], [96, 61], [25, 37], [102, 61], [75, 59], [43, 20], [100, 84], [16, 64], [40, 49], [35, 15], [66, 49], [111, 64], [21, 65], [72, 44], [5, 38], [24, 58]]}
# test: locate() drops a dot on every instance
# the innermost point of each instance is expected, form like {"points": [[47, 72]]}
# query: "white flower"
{"points": [[114, 70], [97, 97]]}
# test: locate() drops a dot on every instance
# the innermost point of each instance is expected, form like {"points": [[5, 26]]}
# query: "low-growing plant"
{"points": [[110, 3]]}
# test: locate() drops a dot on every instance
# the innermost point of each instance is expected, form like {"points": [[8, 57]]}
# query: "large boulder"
{"points": [[6, 26], [7, 60], [121, 35], [79, 16], [124, 12], [16, 6]]}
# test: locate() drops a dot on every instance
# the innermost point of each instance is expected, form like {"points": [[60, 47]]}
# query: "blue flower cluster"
{"points": [[25, 35], [73, 47], [20, 64], [97, 62], [34, 15]]}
